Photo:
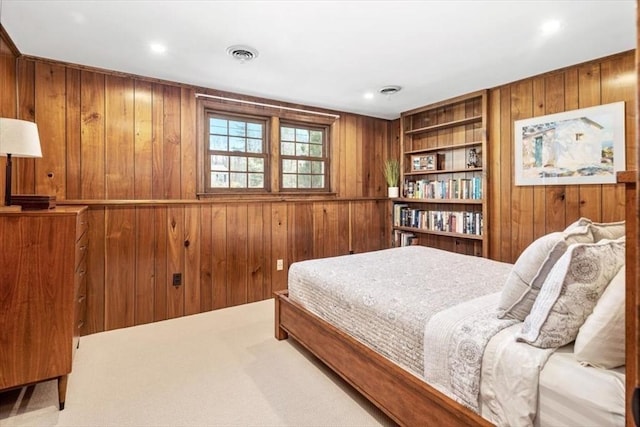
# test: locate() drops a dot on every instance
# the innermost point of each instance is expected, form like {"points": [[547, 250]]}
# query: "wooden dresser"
{"points": [[42, 294]]}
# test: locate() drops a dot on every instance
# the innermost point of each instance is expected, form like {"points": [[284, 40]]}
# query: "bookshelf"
{"points": [[443, 200]]}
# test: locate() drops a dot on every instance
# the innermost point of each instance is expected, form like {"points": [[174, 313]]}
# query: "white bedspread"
{"points": [[385, 298], [454, 343]]}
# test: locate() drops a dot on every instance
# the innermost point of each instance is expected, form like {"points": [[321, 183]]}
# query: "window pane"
{"points": [[236, 144], [289, 166], [219, 163], [254, 145], [315, 150], [256, 180], [236, 128], [288, 149], [287, 134], [302, 135], [315, 137], [304, 166], [219, 180], [238, 180], [304, 181], [317, 181], [218, 142], [302, 149], [256, 164], [218, 126], [317, 167], [238, 164], [289, 181], [254, 130]]}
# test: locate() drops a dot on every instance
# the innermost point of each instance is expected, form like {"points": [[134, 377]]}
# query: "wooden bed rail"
{"points": [[405, 398]]}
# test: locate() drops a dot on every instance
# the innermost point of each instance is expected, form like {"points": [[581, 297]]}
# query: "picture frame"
{"points": [[584, 146], [427, 162]]}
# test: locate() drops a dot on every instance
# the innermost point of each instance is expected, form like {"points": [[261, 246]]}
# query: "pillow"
{"points": [[600, 341], [532, 267], [570, 293], [601, 230]]}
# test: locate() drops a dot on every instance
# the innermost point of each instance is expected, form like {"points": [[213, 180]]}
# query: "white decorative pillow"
{"points": [[601, 230], [532, 267], [570, 293], [600, 341]]}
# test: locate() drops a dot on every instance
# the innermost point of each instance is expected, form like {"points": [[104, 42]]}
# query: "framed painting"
{"points": [[584, 146]]}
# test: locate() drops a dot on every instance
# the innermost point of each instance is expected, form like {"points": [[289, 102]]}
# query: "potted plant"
{"points": [[391, 171]]}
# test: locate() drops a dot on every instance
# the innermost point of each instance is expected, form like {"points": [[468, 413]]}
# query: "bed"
{"points": [[430, 354]]}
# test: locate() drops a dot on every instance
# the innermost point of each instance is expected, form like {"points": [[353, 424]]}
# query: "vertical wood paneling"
{"points": [[157, 134], [145, 283], [120, 259], [300, 232], [255, 256], [175, 261], [521, 197], [494, 192], [162, 280], [206, 258], [279, 224], [188, 142], [539, 192], [7, 97], [119, 144], [237, 254], [25, 181], [219, 254], [193, 240], [143, 140], [268, 262], [171, 133], [50, 96], [349, 144], [92, 128], [95, 315], [73, 143]]}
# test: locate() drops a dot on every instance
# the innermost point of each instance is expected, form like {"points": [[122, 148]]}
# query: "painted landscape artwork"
{"points": [[583, 146]]}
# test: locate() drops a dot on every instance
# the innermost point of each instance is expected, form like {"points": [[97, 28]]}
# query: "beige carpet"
{"points": [[222, 368]]}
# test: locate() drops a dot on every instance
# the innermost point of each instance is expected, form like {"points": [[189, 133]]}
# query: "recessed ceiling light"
{"points": [[390, 90], [550, 27], [368, 95], [158, 48], [242, 53]]}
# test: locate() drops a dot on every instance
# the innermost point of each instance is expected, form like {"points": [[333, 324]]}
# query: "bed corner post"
{"points": [[280, 333]]}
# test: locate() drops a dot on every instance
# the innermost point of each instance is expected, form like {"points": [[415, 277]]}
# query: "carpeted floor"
{"points": [[222, 368]]}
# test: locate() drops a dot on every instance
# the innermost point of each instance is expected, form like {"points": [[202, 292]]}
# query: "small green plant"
{"points": [[391, 171]]}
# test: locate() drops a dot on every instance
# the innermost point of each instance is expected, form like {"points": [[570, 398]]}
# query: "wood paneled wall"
{"points": [[126, 146], [108, 137], [519, 215]]}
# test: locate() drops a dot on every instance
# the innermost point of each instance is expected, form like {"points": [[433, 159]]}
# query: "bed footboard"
{"points": [[398, 393]]}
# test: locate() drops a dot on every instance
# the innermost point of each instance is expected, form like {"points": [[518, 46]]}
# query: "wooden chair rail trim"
{"points": [[216, 200]]}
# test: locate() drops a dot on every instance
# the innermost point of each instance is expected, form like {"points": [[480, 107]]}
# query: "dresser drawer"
{"points": [[81, 249], [82, 224]]}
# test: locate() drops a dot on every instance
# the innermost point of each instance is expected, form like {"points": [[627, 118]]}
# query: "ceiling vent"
{"points": [[242, 53], [390, 90]]}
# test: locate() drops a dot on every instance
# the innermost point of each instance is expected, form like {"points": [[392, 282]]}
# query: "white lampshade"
{"points": [[19, 138]]}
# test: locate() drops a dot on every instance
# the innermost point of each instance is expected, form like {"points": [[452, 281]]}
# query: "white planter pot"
{"points": [[394, 192]]}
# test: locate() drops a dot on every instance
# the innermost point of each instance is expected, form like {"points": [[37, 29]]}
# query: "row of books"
{"points": [[461, 188], [451, 221], [404, 238]]}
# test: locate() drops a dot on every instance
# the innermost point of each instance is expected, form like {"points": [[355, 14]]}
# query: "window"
{"points": [[236, 156], [303, 157]]}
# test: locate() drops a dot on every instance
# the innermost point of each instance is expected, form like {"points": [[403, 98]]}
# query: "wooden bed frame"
{"points": [[404, 397], [399, 394]]}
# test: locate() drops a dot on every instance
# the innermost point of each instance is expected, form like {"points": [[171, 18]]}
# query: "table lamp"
{"points": [[18, 138]]}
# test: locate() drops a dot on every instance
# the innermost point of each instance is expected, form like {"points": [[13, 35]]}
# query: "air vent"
{"points": [[390, 90], [242, 53]]}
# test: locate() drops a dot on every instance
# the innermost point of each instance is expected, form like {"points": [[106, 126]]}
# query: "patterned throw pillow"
{"points": [[601, 340], [601, 230], [570, 293], [532, 267]]}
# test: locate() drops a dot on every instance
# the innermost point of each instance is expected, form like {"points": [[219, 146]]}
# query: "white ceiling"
{"points": [[326, 53]]}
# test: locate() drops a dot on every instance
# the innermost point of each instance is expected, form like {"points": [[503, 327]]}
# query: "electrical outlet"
{"points": [[177, 279], [280, 265]]}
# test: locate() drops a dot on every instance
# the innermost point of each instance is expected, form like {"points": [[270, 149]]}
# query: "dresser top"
{"points": [[58, 210]]}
